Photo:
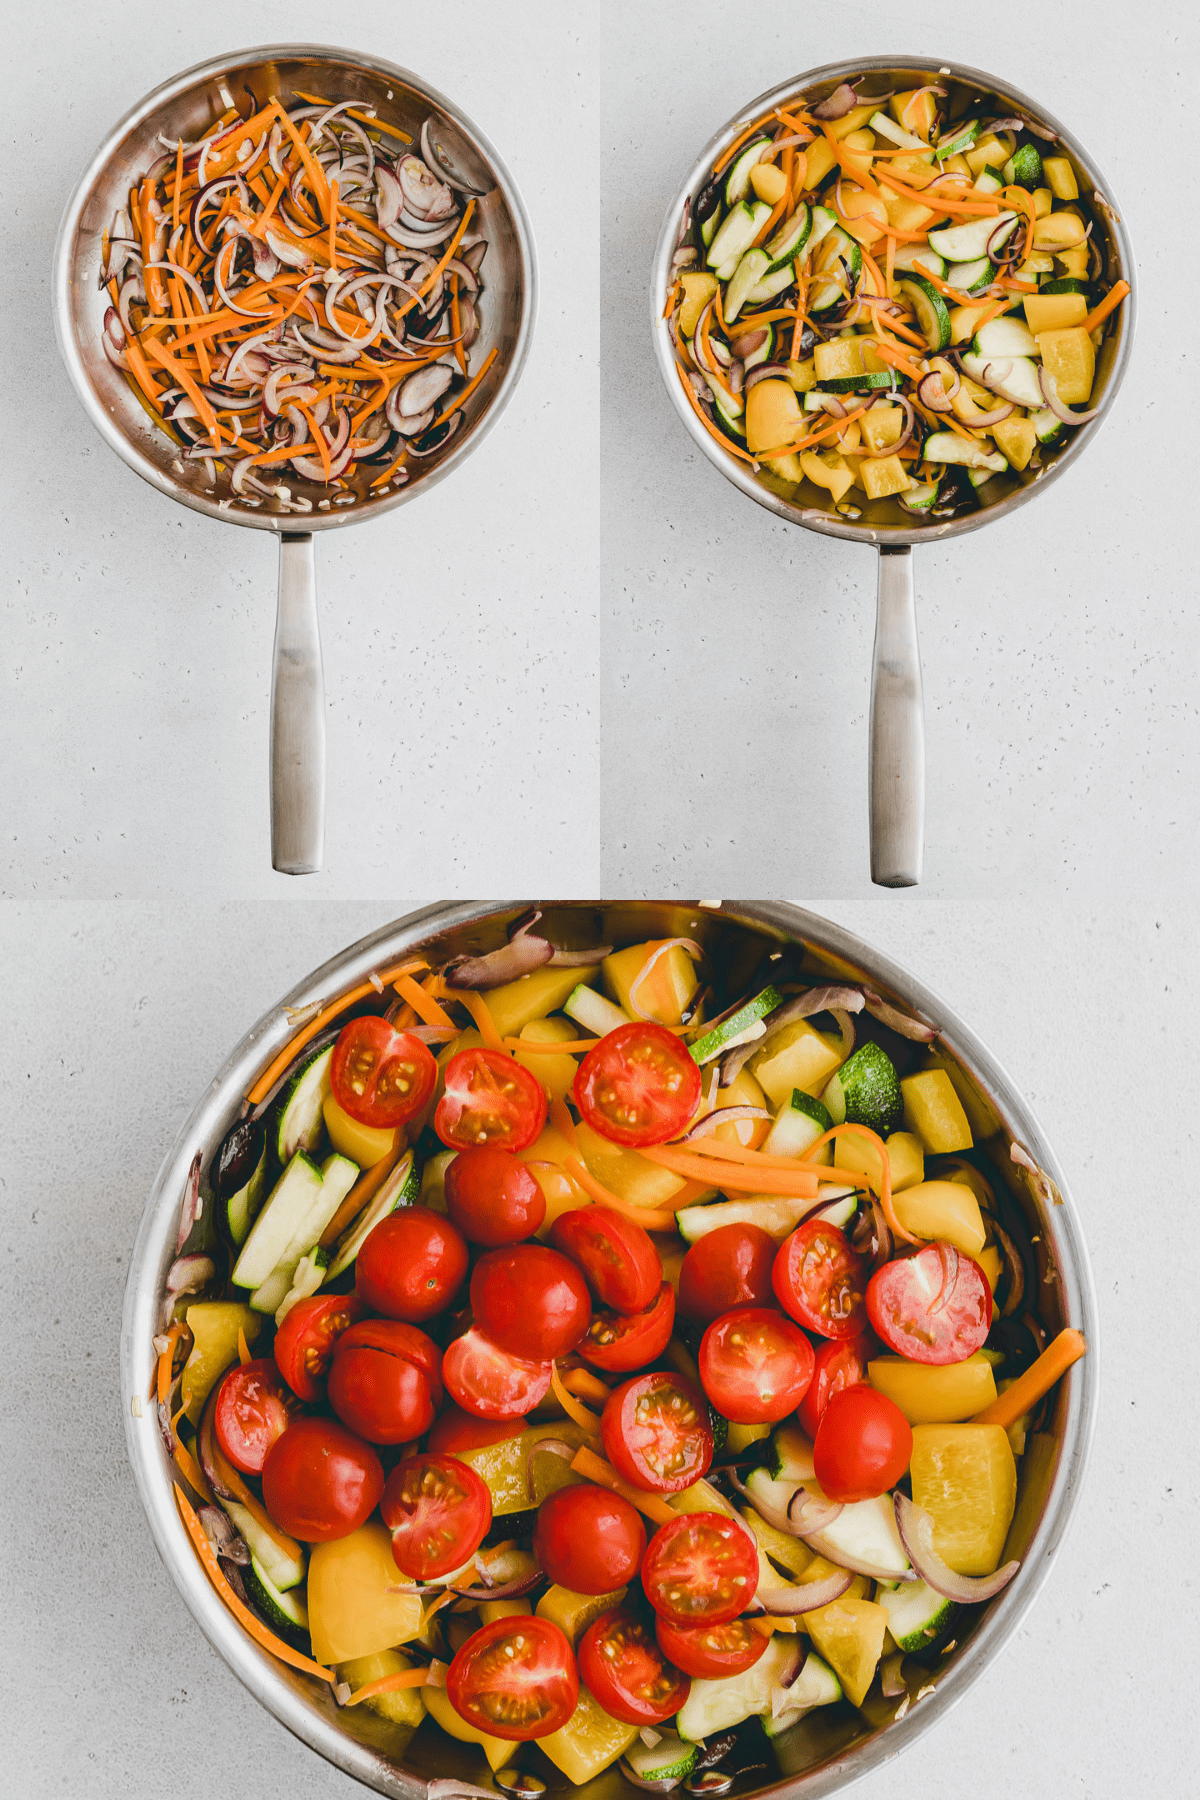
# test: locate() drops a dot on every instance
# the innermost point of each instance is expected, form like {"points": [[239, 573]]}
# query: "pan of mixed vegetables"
{"points": [[610, 1356]]}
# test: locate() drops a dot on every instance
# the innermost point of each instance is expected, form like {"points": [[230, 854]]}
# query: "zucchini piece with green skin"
{"points": [[282, 1571], [299, 1121], [916, 1615], [988, 182], [284, 1211], [708, 228], [885, 126], [749, 272], [979, 237], [790, 240], [771, 284], [593, 1011], [866, 1091], [1006, 336], [778, 1218], [863, 1536], [714, 1706], [823, 222], [920, 259], [241, 1209], [797, 1125], [729, 409], [838, 251], [338, 1176], [1049, 428], [1024, 168], [956, 139], [873, 382], [737, 234], [668, 1760], [285, 1612], [933, 315], [737, 1028], [921, 498], [945, 447], [1065, 284], [972, 277], [791, 1454], [737, 182], [1012, 378], [402, 1188], [816, 1685]]}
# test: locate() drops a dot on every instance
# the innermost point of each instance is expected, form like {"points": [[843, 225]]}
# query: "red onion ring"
{"points": [[916, 1534], [950, 1270], [931, 392], [724, 1115], [811, 1512], [1049, 387], [781, 1603], [508, 1590], [766, 372], [837, 104], [193, 1205]]}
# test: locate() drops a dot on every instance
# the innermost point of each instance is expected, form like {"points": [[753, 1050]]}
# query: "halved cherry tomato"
{"points": [[755, 1365], [381, 1076], [304, 1342], [626, 1671], [488, 1382], [863, 1445], [589, 1540], [711, 1652], [489, 1099], [516, 1678], [253, 1408], [456, 1430], [438, 1511], [656, 1432], [531, 1301], [386, 1381], [934, 1307], [622, 1342], [700, 1569], [320, 1482], [820, 1280], [493, 1198], [841, 1363], [616, 1254], [638, 1086], [728, 1267], [411, 1265]]}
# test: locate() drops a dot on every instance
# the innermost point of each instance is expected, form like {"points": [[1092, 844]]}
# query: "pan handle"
{"points": [[297, 715], [897, 782]]}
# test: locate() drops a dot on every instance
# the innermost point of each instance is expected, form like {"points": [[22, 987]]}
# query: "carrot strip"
{"points": [[178, 182], [240, 1611], [650, 1219], [155, 286], [465, 393], [586, 1386], [390, 1684], [423, 1004], [333, 216], [885, 1179], [449, 251], [586, 1421], [163, 1370], [937, 203], [480, 1011], [176, 369], [724, 442], [243, 1347], [797, 1184], [722, 1150], [1036, 1382], [383, 479], [362, 1193], [191, 1469], [1109, 304], [312, 167], [292, 1048], [594, 1468]]}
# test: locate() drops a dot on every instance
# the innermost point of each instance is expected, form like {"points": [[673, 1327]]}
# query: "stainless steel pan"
{"points": [[835, 1745], [186, 106], [897, 728]]}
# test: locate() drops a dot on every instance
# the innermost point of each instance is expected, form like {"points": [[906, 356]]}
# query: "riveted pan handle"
{"points": [[897, 783], [297, 715]]}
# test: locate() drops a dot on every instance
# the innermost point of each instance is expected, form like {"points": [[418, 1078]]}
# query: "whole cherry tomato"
{"points": [[841, 1363], [516, 1678], [320, 1482], [386, 1381], [755, 1365], [411, 1265], [656, 1432], [622, 1342], [493, 1198], [381, 1076], [616, 1254], [863, 1445], [489, 1099], [304, 1342], [626, 1671], [438, 1511], [638, 1086], [531, 1301], [728, 1267], [589, 1540], [821, 1281], [253, 1408]]}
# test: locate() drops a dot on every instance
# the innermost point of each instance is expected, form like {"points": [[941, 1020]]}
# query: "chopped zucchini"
{"points": [[670, 1759], [402, 1188], [933, 315], [979, 237], [798, 1125], [779, 1218], [737, 233], [300, 1120], [866, 1091], [737, 182], [790, 240], [593, 1011], [945, 447], [738, 1028]]}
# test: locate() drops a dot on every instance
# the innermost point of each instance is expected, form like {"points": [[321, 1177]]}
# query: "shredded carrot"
{"points": [[243, 1347], [240, 1611], [179, 374], [586, 1421], [585, 1462], [481, 1012], [796, 1183], [164, 1366], [422, 1003], [885, 1179], [333, 220], [1109, 304], [586, 1386], [191, 1470], [390, 1684], [651, 1219], [312, 168], [466, 392], [724, 442], [178, 182], [449, 251], [725, 1150], [728, 155], [330, 1011], [1036, 1382], [383, 479], [937, 203]]}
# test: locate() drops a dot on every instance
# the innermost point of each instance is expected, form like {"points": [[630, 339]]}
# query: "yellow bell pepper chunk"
{"points": [[1058, 231], [363, 1144], [797, 1057], [802, 375], [573, 1612], [1061, 177], [671, 983], [934, 1394], [935, 1113], [1071, 358], [350, 1611], [214, 1325], [992, 1264], [906, 1159], [883, 476], [698, 289], [404, 1706], [965, 1478], [943, 1209], [768, 182], [534, 996], [498, 1751], [882, 426], [773, 415], [819, 160], [914, 111], [556, 1073], [828, 471], [1054, 312], [849, 1635], [1016, 438], [589, 1742], [840, 357]]}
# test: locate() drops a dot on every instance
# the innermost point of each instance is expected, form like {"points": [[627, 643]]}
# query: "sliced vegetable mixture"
{"points": [[869, 294], [296, 294], [600, 1366]]}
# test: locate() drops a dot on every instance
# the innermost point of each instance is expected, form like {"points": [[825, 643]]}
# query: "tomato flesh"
{"points": [[711, 1652], [493, 1198], [320, 1482], [253, 1409], [821, 1281], [756, 1365], [617, 1256], [489, 1099], [411, 1265], [840, 1363], [589, 1540], [488, 1382], [304, 1343], [531, 1301], [456, 1430], [515, 1678], [656, 1432], [934, 1307], [385, 1382], [380, 1076], [625, 1669], [728, 1267], [638, 1086], [620, 1342], [702, 1568], [438, 1511], [863, 1445]]}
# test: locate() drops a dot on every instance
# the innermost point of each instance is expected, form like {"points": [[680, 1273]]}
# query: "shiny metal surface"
{"points": [[883, 523], [822, 1754], [896, 795], [297, 714]]}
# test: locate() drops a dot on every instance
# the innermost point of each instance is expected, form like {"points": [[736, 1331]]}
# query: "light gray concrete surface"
{"points": [[588, 665]]}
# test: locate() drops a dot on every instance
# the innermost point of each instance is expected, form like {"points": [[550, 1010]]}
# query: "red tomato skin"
{"points": [[304, 1343], [674, 1569], [610, 1062], [492, 1198], [531, 1301], [639, 1685], [395, 1338], [253, 1409], [863, 1445], [411, 1265], [620, 1343], [522, 1113], [617, 1256], [816, 1260], [385, 1382], [898, 1296], [710, 1652], [784, 1364], [514, 1385], [456, 1430], [320, 1482], [374, 1042], [840, 1363], [729, 1267], [481, 1668], [409, 1512], [626, 1441], [589, 1540]]}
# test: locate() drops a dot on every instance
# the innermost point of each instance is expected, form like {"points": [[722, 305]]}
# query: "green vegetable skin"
{"points": [[722, 1035], [866, 1091]]}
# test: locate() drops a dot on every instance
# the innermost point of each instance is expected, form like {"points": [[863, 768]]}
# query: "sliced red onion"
{"points": [[1044, 1189], [811, 1512], [910, 421], [891, 1682], [423, 389], [187, 1275], [766, 372], [984, 420], [193, 1205], [788, 1676], [412, 239], [899, 1022], [916, 1534], [724, 1115], [950, 1270], [837, 104], [224, 1541], [883, 1235], [782, 1603], [512, 960], [1014, 1264], [931, 392], [1049, 386], [1035, 1329], [436, 157], [803, 1006], [766, 1509], [508, 1590], [128, 292], [696, 343]]}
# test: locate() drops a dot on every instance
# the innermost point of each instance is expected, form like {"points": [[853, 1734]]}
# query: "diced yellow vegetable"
{"points": [[744, 1090], [840, 357], [883, 476], [965, 1478], [214, 1325], [957, 165], [827, 470], [1054, 312], [914, 111], [671, 983], [906, 1159], [1016, 438], [934, 1394], [904, 214], [626, 1172], [854, 120], [572, 1612], [498, 1751], [802, 375], [784, 468], [964, 321], [589, 1742], [873, 363], [350, 1609], [1074, 262], [1061, 177], [992, 1264], [882, 426], [987, 153], [433, 1180], [797, 1057], [404, 1706], [933, 1110], [515, 1487], [849, 1635], [773, 415], [738, 1438], [1019, 1427], [943, 1209], [1057, 231], [864, 215], [556, 1073], [967, 1172], [698, 289], [491, 1610], [533, 996], [819, 159], [768, 182], [363, 1144], [914, 168], [789, 1552], [982, 1117], [1043, 201], [1071, 358]]}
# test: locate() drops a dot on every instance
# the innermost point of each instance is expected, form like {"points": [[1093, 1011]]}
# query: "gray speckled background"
{"points": [[588, 665]]}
